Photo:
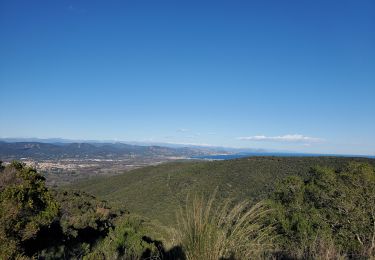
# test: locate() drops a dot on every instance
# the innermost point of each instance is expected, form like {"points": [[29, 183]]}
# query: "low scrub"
{"points": [[329, 215]]}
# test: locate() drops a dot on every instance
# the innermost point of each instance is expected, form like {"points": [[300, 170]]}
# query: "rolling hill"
{"points": [[157, 191]]}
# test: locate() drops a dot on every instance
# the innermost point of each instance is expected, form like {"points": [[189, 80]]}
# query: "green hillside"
{"points": [[318, 213], [156, 191]]}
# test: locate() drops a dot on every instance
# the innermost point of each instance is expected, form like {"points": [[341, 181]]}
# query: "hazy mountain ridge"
{"points": [[175, 145], [42, 150]]}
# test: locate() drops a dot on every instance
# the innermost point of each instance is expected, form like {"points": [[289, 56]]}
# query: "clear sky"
{"points": [[289, 75]]}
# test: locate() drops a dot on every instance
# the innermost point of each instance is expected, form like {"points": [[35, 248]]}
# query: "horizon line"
{"points": [[77, 140]]}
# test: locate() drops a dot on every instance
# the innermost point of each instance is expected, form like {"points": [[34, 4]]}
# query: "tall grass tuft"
{"points": [[211, 230]]}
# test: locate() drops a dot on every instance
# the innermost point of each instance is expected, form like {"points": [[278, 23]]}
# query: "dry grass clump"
{"points": [[211, 230]]}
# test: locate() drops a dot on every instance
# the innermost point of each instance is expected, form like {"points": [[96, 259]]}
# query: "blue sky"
{"points": [[288, 75]]}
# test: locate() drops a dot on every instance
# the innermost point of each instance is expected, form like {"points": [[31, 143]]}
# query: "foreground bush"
{"points": [[209, 231], [26, 206], [83, 220], [127, 240], [329, 215]]}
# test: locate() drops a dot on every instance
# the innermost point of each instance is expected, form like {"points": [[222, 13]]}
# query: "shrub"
{"points": [[208, 231], [332, 212], [26, 206], [126, 241]]}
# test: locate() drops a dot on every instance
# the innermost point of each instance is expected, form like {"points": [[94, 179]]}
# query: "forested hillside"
{"points": [[284, 208], [157, 191]]}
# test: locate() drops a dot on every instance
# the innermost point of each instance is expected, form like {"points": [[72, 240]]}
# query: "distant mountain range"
{"points": [[136, 143], [60, 150]]}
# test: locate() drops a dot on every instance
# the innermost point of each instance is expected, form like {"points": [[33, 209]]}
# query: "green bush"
{"points": [[26, 206], [126, 241], [332, 212], [83, 221]]}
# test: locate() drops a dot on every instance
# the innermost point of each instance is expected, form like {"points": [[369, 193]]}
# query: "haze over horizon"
{"points": [[293, 75]]}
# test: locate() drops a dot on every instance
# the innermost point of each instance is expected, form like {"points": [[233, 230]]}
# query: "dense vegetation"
{"points": [[330, 214], [293, 209], [157, 191], [43, 223], [26, 207]]}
